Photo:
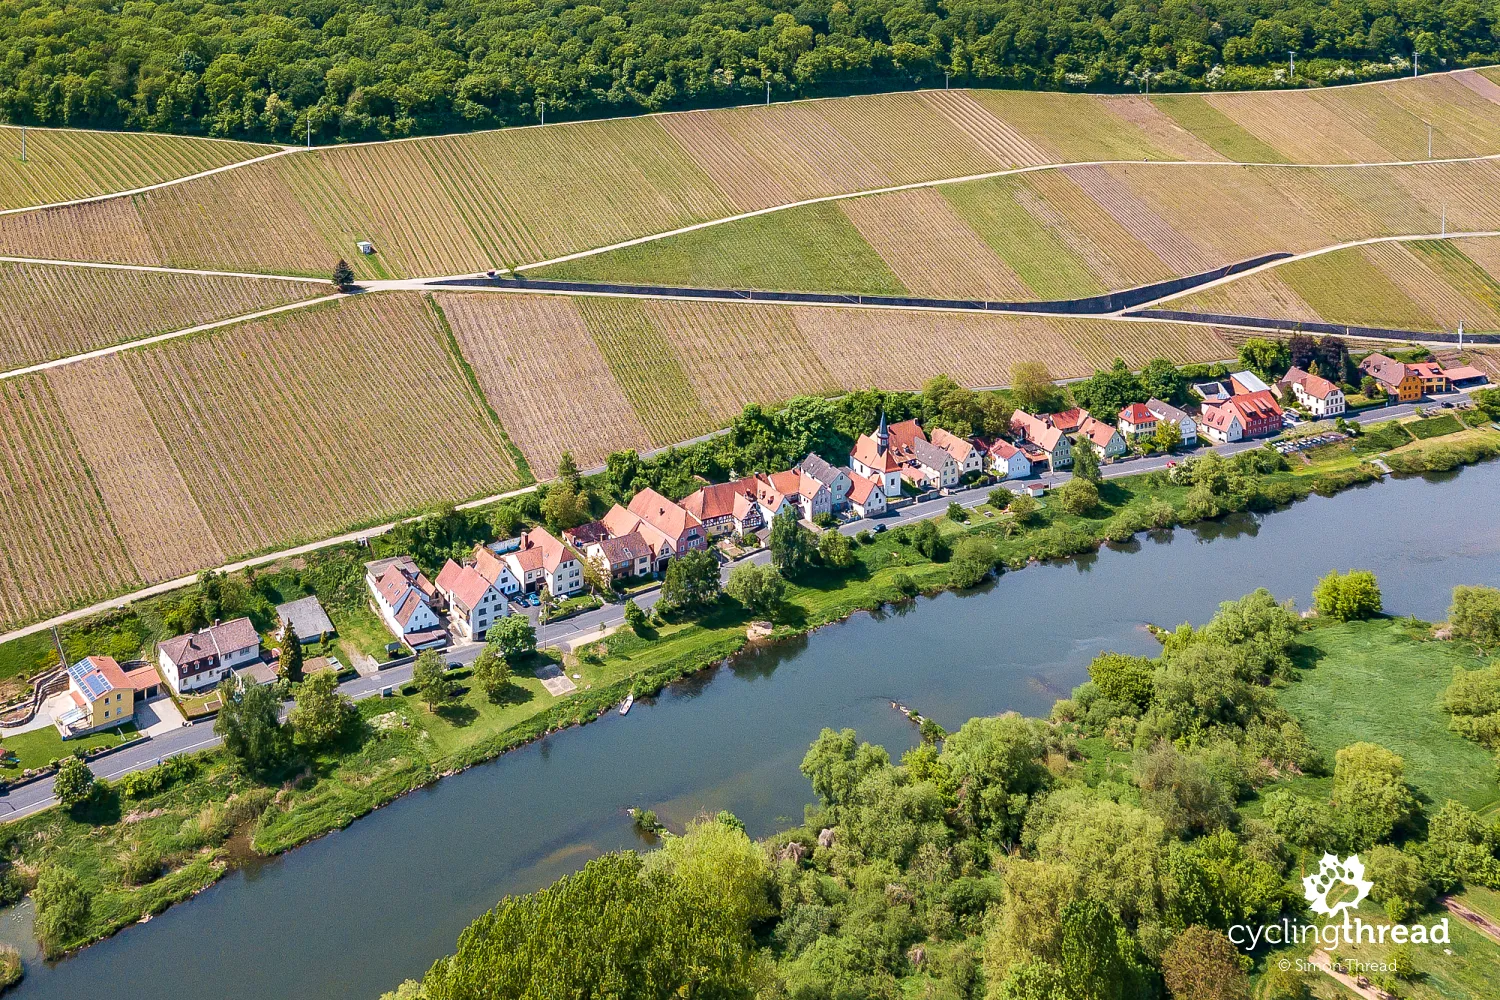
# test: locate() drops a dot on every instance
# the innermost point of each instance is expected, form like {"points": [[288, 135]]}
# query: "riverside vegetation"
{"points": [[122, 851], [1101, 852]]}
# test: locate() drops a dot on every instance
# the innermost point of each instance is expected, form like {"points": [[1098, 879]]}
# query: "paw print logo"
{"points": [[1331, 873]]}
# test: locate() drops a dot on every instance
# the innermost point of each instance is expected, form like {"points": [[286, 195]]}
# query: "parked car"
{"points": [[879, 528]]}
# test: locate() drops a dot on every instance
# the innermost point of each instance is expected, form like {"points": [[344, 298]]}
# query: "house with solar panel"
{"points": [[102, 697]]}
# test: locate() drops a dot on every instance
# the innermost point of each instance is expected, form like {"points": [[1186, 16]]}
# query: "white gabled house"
{"points": [[406, 601], [1167, 413], [202, 659], [1221, 424], [866, 496], [543, 561], [872, 458], [969, 458], [1321, 397], [1046, 438], [1008, 461], [930, 467], [474, 603]]}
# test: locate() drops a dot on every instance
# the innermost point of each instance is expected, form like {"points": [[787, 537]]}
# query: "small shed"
{"points": [[306, 618], [365, 247]]}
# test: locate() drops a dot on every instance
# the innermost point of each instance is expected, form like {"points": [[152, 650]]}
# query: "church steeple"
{"points": [[882, 437]]}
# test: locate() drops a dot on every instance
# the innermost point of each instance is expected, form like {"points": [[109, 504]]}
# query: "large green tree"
{"points": [[249, 723], [322, 714], [792, 545], [691, 581]]}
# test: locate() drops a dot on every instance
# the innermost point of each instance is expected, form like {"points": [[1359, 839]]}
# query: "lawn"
{"points": [[813, 248], [1381, 437], [1432, 427], [42, 746], [1373, 681]]}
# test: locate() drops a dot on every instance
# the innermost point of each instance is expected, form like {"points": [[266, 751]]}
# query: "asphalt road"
{"points": [[23, 801]]}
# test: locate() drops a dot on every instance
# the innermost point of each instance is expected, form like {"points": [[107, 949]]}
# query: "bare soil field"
{"points": [[48, 311], [543, 374], [57, 545]]}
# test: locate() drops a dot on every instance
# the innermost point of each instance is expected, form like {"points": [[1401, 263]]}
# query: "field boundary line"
{"points": [[1320, 251], [283, 151], [158, 269], [158, 338]]}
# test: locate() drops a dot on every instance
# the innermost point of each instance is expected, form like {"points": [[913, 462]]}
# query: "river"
{"points": [[354, 913]]}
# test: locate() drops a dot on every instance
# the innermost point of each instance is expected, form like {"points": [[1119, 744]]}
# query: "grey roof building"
{"points": [[307, 619]]}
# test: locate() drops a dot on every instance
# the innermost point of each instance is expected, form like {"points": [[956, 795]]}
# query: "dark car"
{"points": [[879, 528]]}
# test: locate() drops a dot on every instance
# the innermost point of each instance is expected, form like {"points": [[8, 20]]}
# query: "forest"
{"points": [[335, 70]]}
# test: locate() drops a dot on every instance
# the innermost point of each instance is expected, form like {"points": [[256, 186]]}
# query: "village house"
{"points": [[798, 490], [1107, 441], [965, 454], [1395, 378], [930, 467], [1137, 420], [1070, 422], [873, 458], [835, 478], [474, 603], [1321, 397], [407, 602], [666, 527], [1245, 383], [866, 496], [102, 696], [490, 563], [544, 561], [1434, 379], [1008, 461], [1255, 414], [202, 659], [1166, 412], [620, 558], [1213, 392], [724, 508], [1046, 438], [304, 619], [1221, 424]]}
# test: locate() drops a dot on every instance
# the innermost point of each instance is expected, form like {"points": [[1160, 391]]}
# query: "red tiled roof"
{"points": [[717, 499], [1463, 373], [1220, 417], [1068, 421], [1097, 431], [662, 514], [904, 434], [1137, 413], [223, 638], [1254, 406], [959, 448], [866, 452], [554, 553], [142, 678], [1035, 430], [860, 488], [1004, 450], [470, 587]]}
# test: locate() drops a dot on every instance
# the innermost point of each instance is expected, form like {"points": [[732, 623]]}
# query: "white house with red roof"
{"points": [[407, 601], [874, 458], [1321, 397], [867, 496], [1259, 413], [1137, 420], [1008, 461], [792, 488], [1221, 424], [204, 658], [1044, 437], [544, 561], [968, 457], [474, 603]]}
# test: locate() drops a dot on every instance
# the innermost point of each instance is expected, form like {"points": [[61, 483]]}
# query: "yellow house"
{"points": [[102, 697]]}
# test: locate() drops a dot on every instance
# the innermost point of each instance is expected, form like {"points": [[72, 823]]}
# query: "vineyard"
{"points": [[543, 374], [62, 165], [57, 545], [645, 365], [300, 425], [153, 511], [48, 311]]}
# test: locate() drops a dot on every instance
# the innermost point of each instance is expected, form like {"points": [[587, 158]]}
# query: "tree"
{"points": [[1301, 350], [343, 275], [564, 507], [74, 783], [1031, 385], [1124, 679], [1024, 507], [249, 723], [835, 550], [291, 656], [1111, 390], [1086, 460], [1161, 380], [1168, 435], [1078, 496], [792, 545], [567, 471], [1000, 498], [1201, 964], [759, 588], [929, 541], [1397, 881], [1475, 615], [973, 561], [956, 512], [1347, 597], [513, 637], [1369, 386], [492, 672], [1333, 358], [1370, 792], [635, 618], [62, 907], [1269, 359], [997, 763], [691, 581], [430, 675], [321, 715], [1095, 964]]}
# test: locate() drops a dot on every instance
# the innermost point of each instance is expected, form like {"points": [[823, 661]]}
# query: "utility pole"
{"points": [[1444, 231], [541, 103], [945, 80], [1292, 54], [768, 91], [1429, 139], [1414, 58], [309, 130], [1460, 335], [23, 143]]}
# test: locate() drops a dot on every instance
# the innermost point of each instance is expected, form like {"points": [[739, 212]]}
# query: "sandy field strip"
{"points": [[58, 548], [906, 139], [1002, 142], [50, 312], [1432, 291], [1070, 128], [1303, 127], [929, 247], [1163, 131], [738, 353], [1174, 248], [543, 374], [153, 511], [305, 424], [1115, 256]]}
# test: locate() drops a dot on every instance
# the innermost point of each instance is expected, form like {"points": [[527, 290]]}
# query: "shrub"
{"points": [[973, 562], [904, 585], [1122, 678], [1000, 498], [141, 866], [864, 537], [1347, 597], [1023, 508], [1078, 496], [1370, 791], [927, 540], [635, 618], [62, 907], [74, 784], [1475, 615], [143, 784], [1399, 885], [957, 513]]}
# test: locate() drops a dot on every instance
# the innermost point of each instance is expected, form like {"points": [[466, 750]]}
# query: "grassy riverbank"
{"points": [[137, 855]]}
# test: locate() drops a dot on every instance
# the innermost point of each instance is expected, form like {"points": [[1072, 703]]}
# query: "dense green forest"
{"points": [[1103, 853], [266, 68]]}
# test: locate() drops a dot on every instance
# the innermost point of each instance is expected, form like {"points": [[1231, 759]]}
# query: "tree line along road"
{"points": [[19, 802]]}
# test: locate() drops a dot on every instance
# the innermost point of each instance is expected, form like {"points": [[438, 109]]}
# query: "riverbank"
{"points": [[404, 747]]}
